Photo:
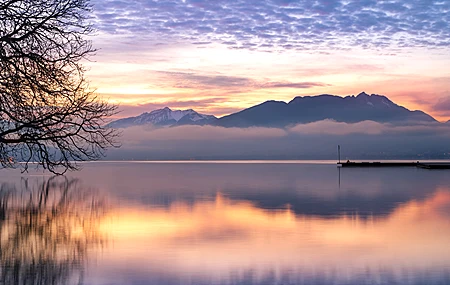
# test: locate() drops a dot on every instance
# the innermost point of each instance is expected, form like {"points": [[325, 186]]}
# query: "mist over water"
{"points": [[318, 140], [226, 223]]}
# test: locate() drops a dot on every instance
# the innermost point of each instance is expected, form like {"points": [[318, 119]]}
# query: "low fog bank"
{"points": [[318, 140]]}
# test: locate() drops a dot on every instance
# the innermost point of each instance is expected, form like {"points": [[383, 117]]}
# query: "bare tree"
{"points": [[48, 113]]}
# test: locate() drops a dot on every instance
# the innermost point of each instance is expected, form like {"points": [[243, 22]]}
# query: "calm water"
{"points": [[234, 223]]}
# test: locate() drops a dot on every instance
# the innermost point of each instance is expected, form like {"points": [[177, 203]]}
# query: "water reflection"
{"points": [[46, 230], [228, 240], [306, 189], [251, 224], [235, 242]]}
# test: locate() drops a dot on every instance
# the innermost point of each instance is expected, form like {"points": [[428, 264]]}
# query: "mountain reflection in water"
{"points": [[258, 224], [47, 228], [225, 240]]}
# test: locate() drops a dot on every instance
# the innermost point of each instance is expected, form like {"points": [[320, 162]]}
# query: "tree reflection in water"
{"points": [[46, 230]]}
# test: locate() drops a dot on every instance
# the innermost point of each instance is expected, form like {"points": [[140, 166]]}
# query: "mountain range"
{"points": [[165, 117], [307, 109]]}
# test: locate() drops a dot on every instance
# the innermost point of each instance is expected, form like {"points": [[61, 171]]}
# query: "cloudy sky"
{"points": [[221, 56]]}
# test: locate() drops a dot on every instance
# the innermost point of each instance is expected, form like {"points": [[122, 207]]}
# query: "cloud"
{"points": [[138, 135], [337, 128], [443, 105], [207, 106], [280, 24], [305, 141], [297, 85], [437, 102], [330, 127], [194, 80]]}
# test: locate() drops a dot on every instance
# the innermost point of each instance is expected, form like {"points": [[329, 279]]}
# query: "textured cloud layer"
{"points": [[283, 24]]}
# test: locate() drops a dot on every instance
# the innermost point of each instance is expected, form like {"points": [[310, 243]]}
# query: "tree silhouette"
{"points": [[46, 231], [48, 113]]}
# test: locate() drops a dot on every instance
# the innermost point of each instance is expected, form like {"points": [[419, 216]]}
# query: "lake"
{"points": [[225, 223]]}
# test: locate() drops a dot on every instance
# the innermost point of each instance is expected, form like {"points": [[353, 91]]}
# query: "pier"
{"points": [[425, 165], [378, 164]]}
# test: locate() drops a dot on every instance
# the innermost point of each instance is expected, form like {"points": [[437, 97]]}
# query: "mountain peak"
{"points": [[371, 96], [164, 117], [300, 99], [363, 94]]}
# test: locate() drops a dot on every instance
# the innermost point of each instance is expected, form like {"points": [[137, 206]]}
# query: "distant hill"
{"points": [[165, 117], [309, 109], [350, 109]]}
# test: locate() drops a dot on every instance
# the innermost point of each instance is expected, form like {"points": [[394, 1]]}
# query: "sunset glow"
{"points": [[197, 54]]}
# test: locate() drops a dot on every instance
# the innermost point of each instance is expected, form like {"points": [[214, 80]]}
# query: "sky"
{"points": [[219, 57]]}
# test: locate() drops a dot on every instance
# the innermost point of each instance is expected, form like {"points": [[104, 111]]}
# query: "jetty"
{"points": [[425, 165], [378, 164], [438, 165]]}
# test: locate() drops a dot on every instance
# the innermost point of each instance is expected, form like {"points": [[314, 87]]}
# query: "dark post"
{"points": [[339, 153]]}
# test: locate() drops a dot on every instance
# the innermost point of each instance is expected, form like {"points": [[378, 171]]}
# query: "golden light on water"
{"points": [[236, 234], [234, 226]]}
